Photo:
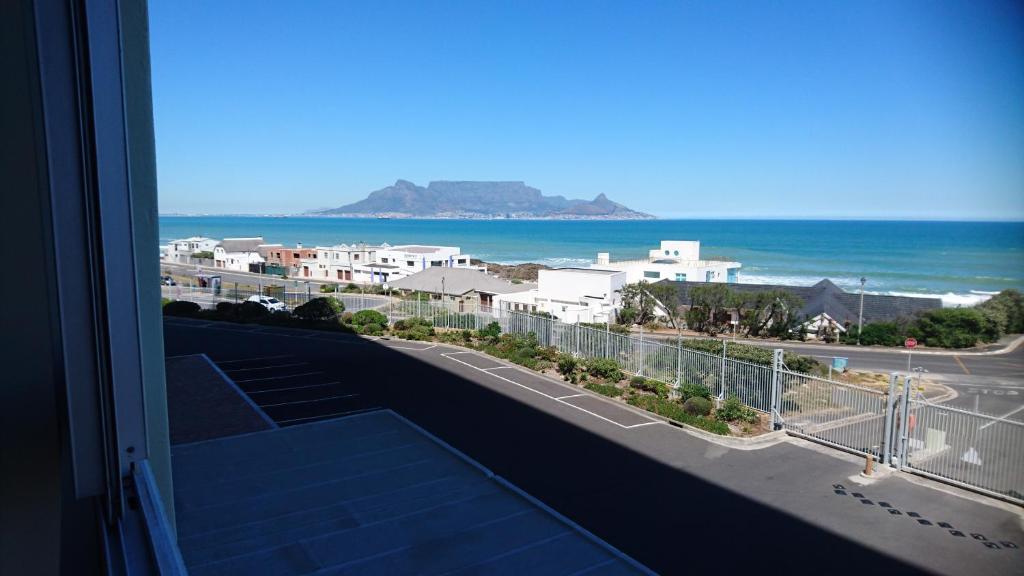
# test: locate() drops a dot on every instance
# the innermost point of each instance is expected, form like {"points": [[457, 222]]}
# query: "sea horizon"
{"points": [[961, 261]]}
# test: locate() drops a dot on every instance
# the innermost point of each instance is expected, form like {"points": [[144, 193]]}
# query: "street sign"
{"points": [[910, 343]]}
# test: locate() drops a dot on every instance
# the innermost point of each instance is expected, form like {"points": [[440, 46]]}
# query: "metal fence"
{"points": [[209, 297], [966, 448]]}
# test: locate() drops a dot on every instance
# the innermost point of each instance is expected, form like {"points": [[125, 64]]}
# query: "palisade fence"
{"points": [[209, 297], [970, 449]]}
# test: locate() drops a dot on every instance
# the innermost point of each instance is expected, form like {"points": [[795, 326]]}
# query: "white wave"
{"points": [[950, 299]]}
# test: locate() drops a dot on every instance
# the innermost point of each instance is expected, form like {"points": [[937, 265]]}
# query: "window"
{"points": [[462, 260], [410, 263], [384, 260], [680, 277], [676, 253], [708, 276], [436, 262], [355, 256], [652, 274], [295, 254], [666, 252]]}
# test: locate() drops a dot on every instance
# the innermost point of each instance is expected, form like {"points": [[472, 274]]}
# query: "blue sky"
{"points": [[681, 109]]}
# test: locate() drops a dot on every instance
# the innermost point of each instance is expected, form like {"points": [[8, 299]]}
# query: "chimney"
{"points": [[298, 245], [602, 258]]}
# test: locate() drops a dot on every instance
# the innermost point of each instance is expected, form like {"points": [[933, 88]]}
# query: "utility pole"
{"points": [[860, 315]]}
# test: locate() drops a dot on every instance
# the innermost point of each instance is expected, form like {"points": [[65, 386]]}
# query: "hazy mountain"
{"points": [[465, 199]]}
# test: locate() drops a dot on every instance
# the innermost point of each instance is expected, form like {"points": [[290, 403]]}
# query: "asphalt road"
{"points": [[247, 278], [672, 500]]}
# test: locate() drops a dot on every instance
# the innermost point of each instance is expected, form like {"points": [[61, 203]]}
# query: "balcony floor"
{"points": [[364, 494]]}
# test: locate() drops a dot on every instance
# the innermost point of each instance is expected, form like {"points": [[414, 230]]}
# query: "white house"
{"points": [[571, 295], [181, 251], [677, 260], [378, 264], [237, 253]]}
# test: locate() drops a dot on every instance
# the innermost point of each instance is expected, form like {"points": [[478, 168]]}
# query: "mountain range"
{"points": [[471, 199]]}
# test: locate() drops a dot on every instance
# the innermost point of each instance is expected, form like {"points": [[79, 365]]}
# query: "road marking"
{"points": [[308, 401], [413, 348], [454, 353], [278, 377], [267, 367], [294, 388], [1003, 417], [961, 363], [497, 368], [570, 396], [251, 359], [644, 424], [623, 426]]}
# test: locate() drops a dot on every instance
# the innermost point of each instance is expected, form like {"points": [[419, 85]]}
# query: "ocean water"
{"points": [[962, 262]]}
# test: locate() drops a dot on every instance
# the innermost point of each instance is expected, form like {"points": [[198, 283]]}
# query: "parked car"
{"points": [[168, 281], [272, 304]]}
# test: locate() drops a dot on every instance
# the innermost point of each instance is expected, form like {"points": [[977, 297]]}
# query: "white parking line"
{"points": [[556, 399], [413, 348], [328, 415], [570, 396], [324, 385], [497, 368], [454, 353], [278, 377], [308, 401], [267, 367], [644, 424]]}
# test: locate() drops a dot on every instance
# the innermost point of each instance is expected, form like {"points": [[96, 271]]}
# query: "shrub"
{"points": [[567, 366], [1006, 311], [467, 335], [878, 334], [697, 406], [320, 309], [604, 368], [674, 411], [955, 328], [655, 387], [328, 288], [732, 410], [414, 329], [687, 391], [346, 318], [251, 311], [605, 389], [367, 317], [752, 354], [370, 329], [226, 309], [490, 332], [181, 308]]}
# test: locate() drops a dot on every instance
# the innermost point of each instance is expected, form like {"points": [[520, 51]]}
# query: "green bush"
{"points": [[674, 411], [655, 387], [328, 288], [414, 329], [370, 329], [604, 368], [613, 328], [752, 354], [954, 328], [1006, 311], [567, 366], [226, 309], [878, 334], [251, 311], [605, 389], [181, 308], [732, 410], [697, 406], [367, 317], [687, 391], [490, 332], [523, 350], [320, 309]]}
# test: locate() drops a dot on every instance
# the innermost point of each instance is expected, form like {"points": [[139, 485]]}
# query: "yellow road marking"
{"points": [[961, 363]]}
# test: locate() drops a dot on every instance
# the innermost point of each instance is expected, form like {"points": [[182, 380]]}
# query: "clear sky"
{"points": [[682, 109]]}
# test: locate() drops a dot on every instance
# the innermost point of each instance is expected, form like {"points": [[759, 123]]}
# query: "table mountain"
{"points": [[467, 199]]}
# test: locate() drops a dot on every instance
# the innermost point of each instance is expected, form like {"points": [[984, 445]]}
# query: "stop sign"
{"points": [[910, 343]]}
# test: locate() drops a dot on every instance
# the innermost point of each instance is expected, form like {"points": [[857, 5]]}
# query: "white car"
{"points": [[272, 304]]}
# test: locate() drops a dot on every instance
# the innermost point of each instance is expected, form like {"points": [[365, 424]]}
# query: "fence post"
{"points": [[578, 337], [887, 432], [236, 292], [903, 429], [721, 389], [776, 392], [679, 358]]}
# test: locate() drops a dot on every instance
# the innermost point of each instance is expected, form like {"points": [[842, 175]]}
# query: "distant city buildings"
{"points": [[675, 260]]}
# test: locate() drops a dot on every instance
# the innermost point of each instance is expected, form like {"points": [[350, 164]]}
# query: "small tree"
{"points": [[637, 297], [320, 309]]}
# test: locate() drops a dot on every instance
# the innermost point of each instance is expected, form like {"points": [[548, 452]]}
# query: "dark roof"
{"points": [[825, 297], [241, 244], [457, 281]]}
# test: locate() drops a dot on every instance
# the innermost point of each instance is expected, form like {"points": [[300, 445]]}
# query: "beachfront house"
{"points": [[675, 260], [366, 264], [571, 295], [464, 289], [182, 251], [238, 254], [282, 259]]}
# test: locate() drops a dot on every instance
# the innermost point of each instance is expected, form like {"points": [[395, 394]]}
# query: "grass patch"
{"points": [[674, 411], [605, 389]]}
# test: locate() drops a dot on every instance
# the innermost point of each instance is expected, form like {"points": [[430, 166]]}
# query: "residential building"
{"points": [[469, 289], [676, 260], [238, 254], [290, 259], [182, 251], [571, 295], [366, 264]]}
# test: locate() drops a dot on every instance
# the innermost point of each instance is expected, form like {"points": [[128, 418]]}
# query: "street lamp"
{"points": [[860, 315]]}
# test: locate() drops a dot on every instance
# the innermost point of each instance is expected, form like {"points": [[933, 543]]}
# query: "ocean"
{"points": [[962, 262]]}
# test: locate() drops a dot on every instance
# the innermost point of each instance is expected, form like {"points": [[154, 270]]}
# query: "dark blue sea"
{"points": [[960, 261]]}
